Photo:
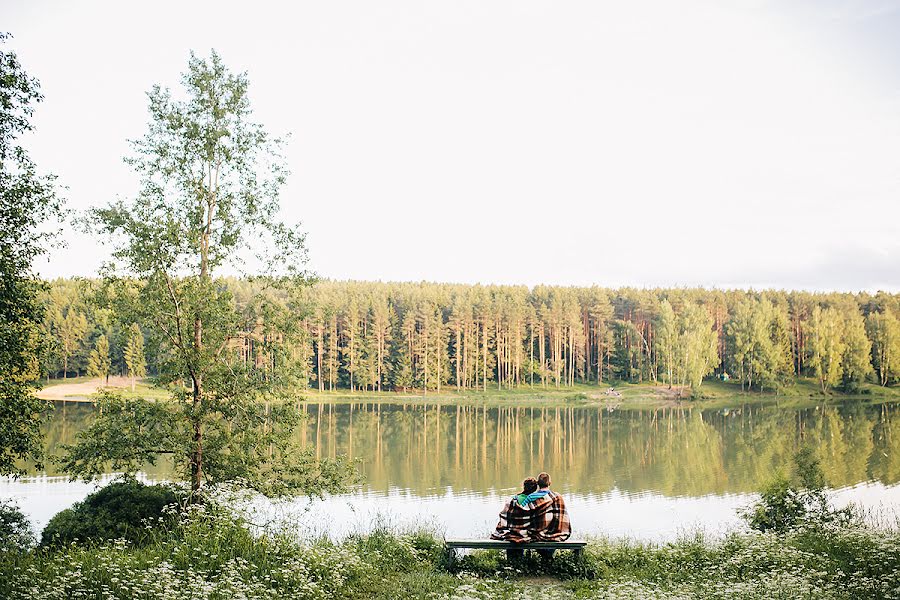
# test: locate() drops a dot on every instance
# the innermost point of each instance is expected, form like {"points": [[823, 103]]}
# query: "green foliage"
{"points": [[207, 552], [827, 346], [209, 198], [856, 362], [67, 324], [254, 446], [127, 434], [807, 562], [504, 337], [120, 510], [760, 347], [27, 200], [787, 503], [697, 344], [99, 363], [780, 508], [15, 530], [135, 362], [883, 329]]}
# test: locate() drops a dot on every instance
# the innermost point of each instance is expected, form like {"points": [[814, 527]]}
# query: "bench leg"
{"points": [[515, 554], [579, 553], [451, 557]]}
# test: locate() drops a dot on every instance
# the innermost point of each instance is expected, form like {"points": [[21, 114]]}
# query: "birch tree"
{"points": [[209, 200]]}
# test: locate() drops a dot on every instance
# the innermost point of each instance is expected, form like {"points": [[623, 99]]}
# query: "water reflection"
{"points": [[671, 451], [645, 473], [428, 448]]}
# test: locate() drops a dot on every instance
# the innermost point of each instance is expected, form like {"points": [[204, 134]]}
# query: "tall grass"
{"points": [[209, 553]]}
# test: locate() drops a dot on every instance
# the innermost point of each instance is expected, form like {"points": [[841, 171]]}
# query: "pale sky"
{"points": [[721, 144]]}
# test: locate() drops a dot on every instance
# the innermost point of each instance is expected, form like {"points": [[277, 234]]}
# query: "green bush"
{"points": [[787, 503], [15, 530], [122, 509]]}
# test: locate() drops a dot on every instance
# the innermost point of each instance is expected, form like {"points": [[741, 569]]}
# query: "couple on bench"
{"points": [[537, 514]]}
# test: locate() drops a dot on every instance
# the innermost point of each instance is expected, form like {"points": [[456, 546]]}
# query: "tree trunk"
{"points": [[484, 355]]}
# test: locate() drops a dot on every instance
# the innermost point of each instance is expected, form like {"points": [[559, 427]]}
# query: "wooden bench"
{"points": [[577, 547]]}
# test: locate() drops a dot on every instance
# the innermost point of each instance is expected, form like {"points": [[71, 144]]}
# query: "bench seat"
{"points": [[452, 546]]}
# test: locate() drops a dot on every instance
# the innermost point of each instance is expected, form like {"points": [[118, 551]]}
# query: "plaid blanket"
{"points": [[543, 520]]}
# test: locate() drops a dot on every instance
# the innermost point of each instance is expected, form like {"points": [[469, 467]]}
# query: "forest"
{"points": [[374, 336]]}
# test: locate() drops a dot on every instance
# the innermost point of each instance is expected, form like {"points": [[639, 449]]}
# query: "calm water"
{"points": [[642, 473]]}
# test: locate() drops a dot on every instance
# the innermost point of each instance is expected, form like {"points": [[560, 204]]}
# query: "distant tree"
{"points": [[667, 341], [350, 350], [27, 199], [826, 346], [209, 199], [403, 353], [856, 362], [759, 349], [697, 344], [883, 330], [71, 329], [381, 330], [98, 362], [135, 363]]}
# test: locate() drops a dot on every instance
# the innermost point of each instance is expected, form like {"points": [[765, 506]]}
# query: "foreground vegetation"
{"points": [[209, 553], [130, 540]]}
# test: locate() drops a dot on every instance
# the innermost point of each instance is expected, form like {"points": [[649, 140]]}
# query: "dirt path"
{"points": [[82, 391]]}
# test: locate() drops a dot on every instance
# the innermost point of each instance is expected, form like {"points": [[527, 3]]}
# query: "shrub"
{"points": [[787, 503], [15, 530], [122, 509]]}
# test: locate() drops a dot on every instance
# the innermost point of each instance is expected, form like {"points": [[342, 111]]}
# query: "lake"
{"points": [[647, 474]]}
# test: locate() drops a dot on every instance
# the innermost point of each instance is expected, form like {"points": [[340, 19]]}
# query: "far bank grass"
{"points": [[713, 393]]}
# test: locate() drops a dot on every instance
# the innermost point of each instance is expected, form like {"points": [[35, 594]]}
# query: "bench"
{"points": [[577, 547]]}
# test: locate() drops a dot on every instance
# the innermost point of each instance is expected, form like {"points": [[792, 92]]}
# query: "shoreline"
{"points": [[712, 394]]}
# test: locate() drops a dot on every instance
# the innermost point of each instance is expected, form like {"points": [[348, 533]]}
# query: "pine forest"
{"points": [[373, 336]]}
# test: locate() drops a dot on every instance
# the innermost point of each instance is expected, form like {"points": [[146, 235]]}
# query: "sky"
{"points": [[719, 144]]}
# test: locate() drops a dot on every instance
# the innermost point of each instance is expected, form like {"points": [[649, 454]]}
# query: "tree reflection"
{"points": [[678, 451]]}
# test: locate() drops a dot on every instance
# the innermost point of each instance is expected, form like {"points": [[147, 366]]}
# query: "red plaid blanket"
{"points": [[544, 520]]}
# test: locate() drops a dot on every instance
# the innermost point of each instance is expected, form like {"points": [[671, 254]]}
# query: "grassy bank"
{"points": [[712, 394], [208, 553]]}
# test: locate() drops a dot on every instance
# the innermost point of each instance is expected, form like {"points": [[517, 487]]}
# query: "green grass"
{"points": [[146, 390], [208, 553], [492, 395], [712, 394], [47, 383]]}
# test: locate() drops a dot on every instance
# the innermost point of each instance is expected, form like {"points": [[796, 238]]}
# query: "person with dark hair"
{"points": [[516, 518], [529, 486], [539, 516]]}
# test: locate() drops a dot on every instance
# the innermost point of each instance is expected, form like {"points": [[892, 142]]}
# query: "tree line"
{"points": [[373, 336]]}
